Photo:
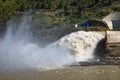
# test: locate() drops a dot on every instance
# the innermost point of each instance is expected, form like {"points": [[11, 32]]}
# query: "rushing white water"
{"points": [[81, 44], [18, 51]]}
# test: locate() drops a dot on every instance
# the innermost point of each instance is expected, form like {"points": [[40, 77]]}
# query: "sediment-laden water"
{"points": [[107, 72]]}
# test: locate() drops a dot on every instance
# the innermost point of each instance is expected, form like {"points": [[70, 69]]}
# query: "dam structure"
{"points": [[19, 50]]}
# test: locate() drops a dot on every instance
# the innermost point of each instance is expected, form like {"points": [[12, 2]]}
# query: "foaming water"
{"points": [[82, 44], [18, 51]]}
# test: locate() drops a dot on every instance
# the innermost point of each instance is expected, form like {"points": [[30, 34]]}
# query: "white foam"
{"points": [[81, 44], [18, 52]]}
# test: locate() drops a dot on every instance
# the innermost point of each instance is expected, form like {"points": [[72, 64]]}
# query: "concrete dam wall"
{"points": [[113, 37]]}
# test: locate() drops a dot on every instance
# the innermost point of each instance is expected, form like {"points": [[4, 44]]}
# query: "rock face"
{"points": [[110, 61], [113, 50]]}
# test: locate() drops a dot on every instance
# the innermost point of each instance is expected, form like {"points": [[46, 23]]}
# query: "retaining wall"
{"points": [[113, 37]]}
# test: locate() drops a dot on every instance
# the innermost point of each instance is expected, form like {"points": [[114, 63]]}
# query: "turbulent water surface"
{"points": [[19, 51]]}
